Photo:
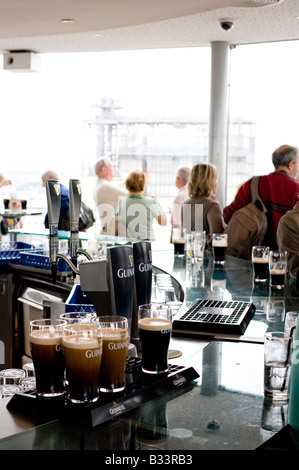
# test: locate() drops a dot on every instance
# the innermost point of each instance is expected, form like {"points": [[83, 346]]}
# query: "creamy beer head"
{"points": [[154, 324]]}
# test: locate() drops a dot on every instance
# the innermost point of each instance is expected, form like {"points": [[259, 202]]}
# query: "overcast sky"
{"points": [[41, 114]]}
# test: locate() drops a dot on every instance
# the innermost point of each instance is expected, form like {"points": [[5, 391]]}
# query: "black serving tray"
{"points": [[140, 388]]}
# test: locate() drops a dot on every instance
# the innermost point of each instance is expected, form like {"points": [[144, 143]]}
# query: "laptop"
{"points": [[214, 316]]}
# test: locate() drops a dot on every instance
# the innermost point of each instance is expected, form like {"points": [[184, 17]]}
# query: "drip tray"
{"points": [[140, 388]]}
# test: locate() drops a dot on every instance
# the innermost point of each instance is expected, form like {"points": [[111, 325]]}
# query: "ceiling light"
{"points": [[98, 35], [66, 20]]}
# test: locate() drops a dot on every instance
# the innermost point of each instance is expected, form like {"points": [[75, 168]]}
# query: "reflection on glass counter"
{"points": [[234, 281], [224, 409]]}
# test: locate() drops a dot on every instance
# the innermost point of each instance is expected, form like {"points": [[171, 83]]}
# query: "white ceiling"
{"points": [[141, 24]]}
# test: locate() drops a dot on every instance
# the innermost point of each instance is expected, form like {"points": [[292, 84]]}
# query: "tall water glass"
{"points": [[155, 326], [277, 362], [47, 356]]}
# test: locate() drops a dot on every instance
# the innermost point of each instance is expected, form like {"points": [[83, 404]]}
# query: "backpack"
{"points": [[86, 219], [248, 225]]}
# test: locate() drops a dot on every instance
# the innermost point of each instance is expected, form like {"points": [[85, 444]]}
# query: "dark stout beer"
{"points": [[179, 247], [219, 244], [83, 356], [260, 269], [47, 357], [115, 348], [277, 277], [154, 334]]}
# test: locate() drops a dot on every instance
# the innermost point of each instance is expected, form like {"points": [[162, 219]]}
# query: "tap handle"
{"points": [[75, 201], [54, 201]]}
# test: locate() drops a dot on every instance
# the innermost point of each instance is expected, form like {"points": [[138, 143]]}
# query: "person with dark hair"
{"points": [[278, 190], [136, 212]]}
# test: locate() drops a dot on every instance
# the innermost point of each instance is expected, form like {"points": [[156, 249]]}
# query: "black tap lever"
{"points": [[75, 205]]}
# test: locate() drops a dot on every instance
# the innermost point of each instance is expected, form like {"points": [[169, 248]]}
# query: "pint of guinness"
{"points": [[278, 267], [219, 244], [155, 325], [47, 356], [178, 240], [260, 263], [82, 349], [116, 341]]}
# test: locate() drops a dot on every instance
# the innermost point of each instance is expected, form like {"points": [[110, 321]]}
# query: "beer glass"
{"points": [[155, 325], [82, 350], [219, 244], [116, 340], [260, 263], [77, 317], [278, 267], [199, 245], [178, 240], [47, 356]]}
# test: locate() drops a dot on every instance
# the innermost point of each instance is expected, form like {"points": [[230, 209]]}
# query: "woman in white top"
{"points": [[136, 212]]}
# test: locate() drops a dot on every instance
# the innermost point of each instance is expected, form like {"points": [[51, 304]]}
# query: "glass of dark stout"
{"points": [[260, 263], [278, 266], [155, 326], [178, 240], [219, 244], [82, 350], [47, 356]]}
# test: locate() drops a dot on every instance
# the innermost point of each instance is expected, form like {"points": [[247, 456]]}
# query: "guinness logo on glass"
{"points": [[79, 189], [57, 189], [150, 255]]}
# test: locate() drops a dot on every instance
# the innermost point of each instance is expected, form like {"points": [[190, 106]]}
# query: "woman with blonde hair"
{"points": [[202, 187], [136, 212]]}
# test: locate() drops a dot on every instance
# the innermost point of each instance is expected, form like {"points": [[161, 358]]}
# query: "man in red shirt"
{"points": [[279, 191]]}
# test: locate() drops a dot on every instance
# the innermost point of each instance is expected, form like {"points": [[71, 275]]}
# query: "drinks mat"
{"points": [[140, 388]]}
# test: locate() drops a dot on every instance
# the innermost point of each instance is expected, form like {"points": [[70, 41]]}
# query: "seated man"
{"points": [[279, 191], [182, 177], [106, 195], [288, 239]]}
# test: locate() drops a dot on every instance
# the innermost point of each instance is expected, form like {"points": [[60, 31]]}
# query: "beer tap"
{"points": [[54, 202], [75, 205]]}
